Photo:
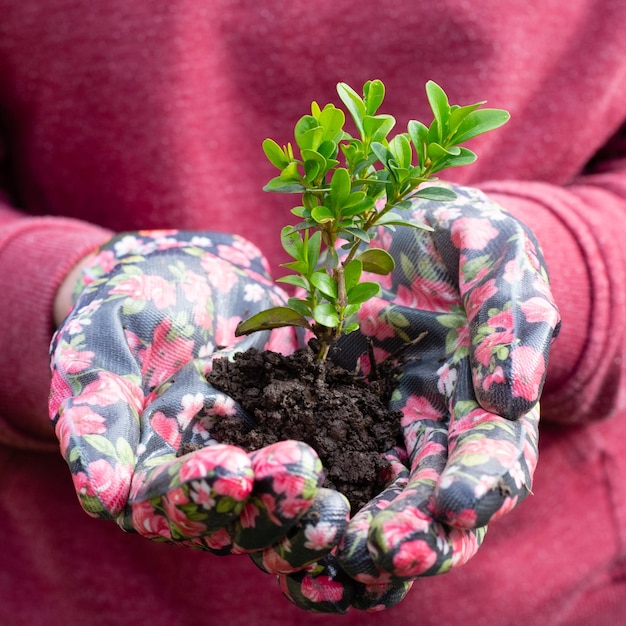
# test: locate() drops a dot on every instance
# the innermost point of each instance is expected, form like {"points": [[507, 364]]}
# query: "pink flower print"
{"points": [[167, 428], [531, 253], [413, 558], [473, 233], [478, 296], [82, 484], [109, 389], [225, 330], [267, 460], [218, 540], [237, 487], [147, 288], [235, 254], [513, 272], [427, 295], [202, 494], [192, 405], [321, 589], [77, 421], [496, 377], [60, 390], [320, 536], [293, 506], [199, 293], [502, 319], [104, 261], [274, 563], [372, 322], [166, 354], [538, 310], [528, 370], [446, 379], [288, 484], [253, 292], [463, 519], [147, 522], [172, 501], [221, 274], [110, 483], [223, 405], [464, 546], [490, 344], [403, 524], [507, 506], [416, 408], [200, 463], [248, 515]]}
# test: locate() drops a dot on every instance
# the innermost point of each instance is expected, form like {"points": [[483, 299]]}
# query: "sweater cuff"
{"points": [[35, 256]]}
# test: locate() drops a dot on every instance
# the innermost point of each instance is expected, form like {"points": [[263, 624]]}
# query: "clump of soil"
{"points": [[339, 413]]}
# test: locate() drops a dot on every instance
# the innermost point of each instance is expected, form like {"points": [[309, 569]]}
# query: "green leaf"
{"points": [[479, 122], [325, 315], [440, 194], [275, 154], [354, 104], [332, 119], [418, 133], [400, 147], [322, 214], [340, 185], [382, 153], [301, 306], [352, 273], [305, 124], [439, 104], [378, 127], [313, 248], [377, 261], [362, 292], [325, 283], [358, 233], [374, 92], [296, 281], [275, 317], [291, 241], [458, 114], [279, 185], [311, 139]]}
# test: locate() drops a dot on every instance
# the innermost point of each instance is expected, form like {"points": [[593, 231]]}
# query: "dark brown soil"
{"points": [[338, 413]]}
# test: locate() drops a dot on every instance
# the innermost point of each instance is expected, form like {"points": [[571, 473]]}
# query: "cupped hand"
{"points": [[468, 313], [133, 411]]}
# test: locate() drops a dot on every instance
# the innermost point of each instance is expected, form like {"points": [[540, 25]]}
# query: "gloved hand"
{"points": [[476, 290], [133, 411]]}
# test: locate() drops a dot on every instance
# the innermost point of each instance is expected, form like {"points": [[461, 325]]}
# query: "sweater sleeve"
{"points": [[582, 229], [35, 255]]}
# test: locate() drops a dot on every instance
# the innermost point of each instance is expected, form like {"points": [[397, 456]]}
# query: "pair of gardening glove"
{"points": [[468, 312]]}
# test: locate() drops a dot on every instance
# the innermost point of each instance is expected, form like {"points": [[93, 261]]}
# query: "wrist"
{"points": [[63, 300]]}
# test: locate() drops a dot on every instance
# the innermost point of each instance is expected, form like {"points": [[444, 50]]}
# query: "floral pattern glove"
{"points": [[473, 295], [133, 411]]}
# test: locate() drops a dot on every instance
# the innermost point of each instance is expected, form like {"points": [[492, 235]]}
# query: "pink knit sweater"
{"points": [[124, 115]]}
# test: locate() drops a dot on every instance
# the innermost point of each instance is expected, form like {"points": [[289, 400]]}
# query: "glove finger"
{"points": [[321, 588], [505, 291], [490, 467], [325, 588], [353, 554], [403, 538], [314, 535], [190, 496], [96, 420], [287, 476]]}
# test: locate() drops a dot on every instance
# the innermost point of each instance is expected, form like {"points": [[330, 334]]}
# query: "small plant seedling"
{"points": [[344, 203]]}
